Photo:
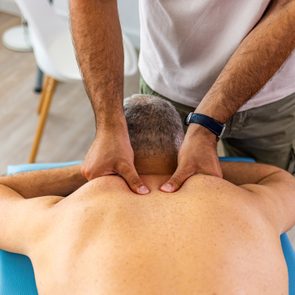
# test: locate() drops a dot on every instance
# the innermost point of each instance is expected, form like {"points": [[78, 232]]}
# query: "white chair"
{"points": [[55, 55]]}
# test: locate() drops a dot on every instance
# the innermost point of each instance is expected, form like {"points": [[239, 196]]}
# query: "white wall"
{"points": [[9, 6], [128, 11], [129, 16]]}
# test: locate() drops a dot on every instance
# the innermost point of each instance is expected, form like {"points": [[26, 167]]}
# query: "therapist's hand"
{"points": [[111, 153], [197, 154]]}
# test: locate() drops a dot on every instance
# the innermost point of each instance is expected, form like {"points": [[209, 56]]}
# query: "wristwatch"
{"points": [[213, 125]]}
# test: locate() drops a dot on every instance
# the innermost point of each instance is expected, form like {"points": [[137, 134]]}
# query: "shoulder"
{"points": [[208, 182], [44, 202], [39, 213]]}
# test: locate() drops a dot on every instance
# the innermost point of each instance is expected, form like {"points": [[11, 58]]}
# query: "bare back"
{"points": [[208, 238]]}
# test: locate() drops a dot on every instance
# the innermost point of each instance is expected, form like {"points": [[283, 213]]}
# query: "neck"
{"points": [[156, 164]]}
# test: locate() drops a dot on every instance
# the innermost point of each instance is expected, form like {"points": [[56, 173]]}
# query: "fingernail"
{"points": [[143, 190], [167, 187]]}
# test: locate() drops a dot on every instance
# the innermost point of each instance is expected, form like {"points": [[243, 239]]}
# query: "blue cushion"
{"points": [[16, 271]]}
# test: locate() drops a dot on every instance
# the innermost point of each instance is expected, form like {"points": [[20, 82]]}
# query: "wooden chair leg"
{"points": [[47, 98], [43, 93]]}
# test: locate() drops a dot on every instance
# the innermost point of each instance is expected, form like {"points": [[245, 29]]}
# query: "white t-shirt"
{"points": [[185, 44]]}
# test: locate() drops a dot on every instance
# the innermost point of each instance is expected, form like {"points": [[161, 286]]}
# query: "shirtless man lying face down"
{"points": [[213, 236]]}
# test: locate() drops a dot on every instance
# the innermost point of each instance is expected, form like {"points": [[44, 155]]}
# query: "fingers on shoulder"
{"points": [[129, 173]]}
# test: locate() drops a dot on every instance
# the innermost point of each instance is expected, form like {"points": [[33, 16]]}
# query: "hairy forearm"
{"points": [[256, 60], [240, 173], [98, 42], [60, 182]]}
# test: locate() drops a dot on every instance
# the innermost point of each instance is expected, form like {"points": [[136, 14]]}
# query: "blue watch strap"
{"points": [[214, 126]]}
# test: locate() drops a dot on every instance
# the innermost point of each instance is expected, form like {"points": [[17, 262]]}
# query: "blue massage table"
{"points": [[16, 271]]}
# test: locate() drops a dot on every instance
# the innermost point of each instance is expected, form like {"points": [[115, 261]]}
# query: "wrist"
{"points": [[208, 123], [216, 107], [219, 114], [108, 109], [116, 127], [204, 134], [111, 121]]}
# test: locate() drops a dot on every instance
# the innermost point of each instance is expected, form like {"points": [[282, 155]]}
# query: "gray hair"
{"points": [[154, 125]]}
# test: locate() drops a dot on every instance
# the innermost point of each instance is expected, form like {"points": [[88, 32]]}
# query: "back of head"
{"points": [[154, 125]]}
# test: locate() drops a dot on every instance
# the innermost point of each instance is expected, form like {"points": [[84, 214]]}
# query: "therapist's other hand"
{"points": [[197, 154], [111, 153]]}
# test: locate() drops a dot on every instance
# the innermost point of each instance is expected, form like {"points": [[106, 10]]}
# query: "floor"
{"points": [[70, 128]]}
